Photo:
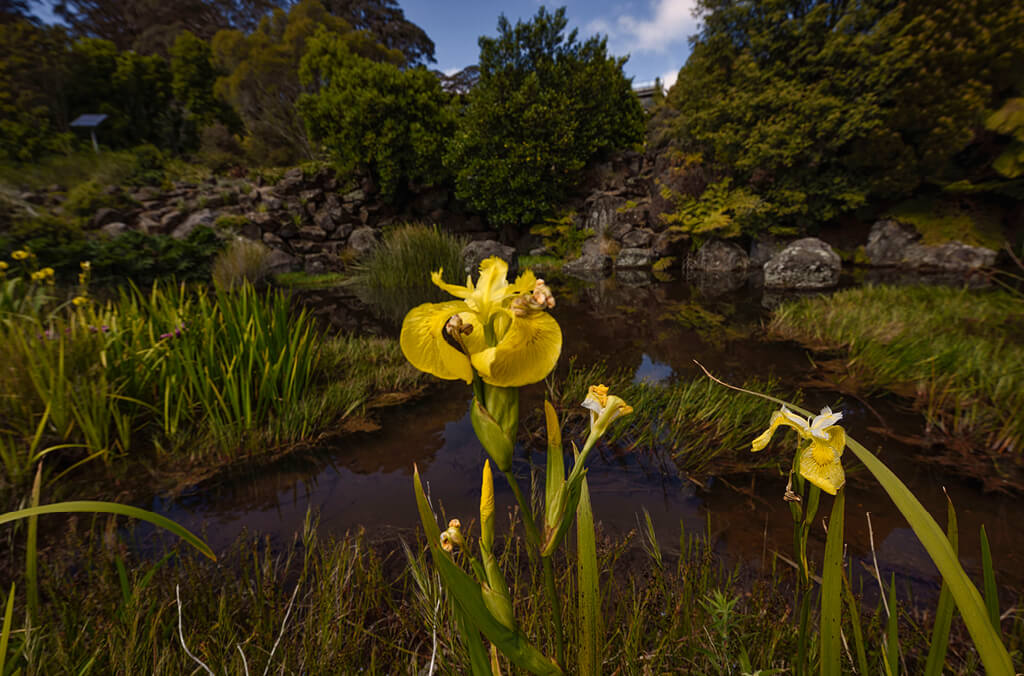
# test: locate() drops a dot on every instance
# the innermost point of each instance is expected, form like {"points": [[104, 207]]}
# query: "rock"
{"points": [[342, 232], [278, 261], [292, 181], [311, 196], [332, 207], [949, 257], [638, 238], [251, 230], [618, 230], [888, 242], [324, 221], [114, 229], [633, 276], [106, 215], [807, 263], [589, 266], [32, 197], [717, 256], [539, 251], [475, 253], [763, 248], [305, 246], [601, 213], [288, 230], [171, 220], [312, 233], [201, 217], [353, 196], [271, 201], [592, 246], [320, 263], [149, 222], [634, 257], [363, 240], [261, 218], [272, 240]]}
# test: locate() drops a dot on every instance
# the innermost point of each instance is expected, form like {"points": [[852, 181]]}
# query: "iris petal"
{"points": [[453, 289], [526, 353], [423, 342], [828, 476]]}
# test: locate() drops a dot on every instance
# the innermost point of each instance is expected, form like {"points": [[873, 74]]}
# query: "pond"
{"points": [[656, 331]]}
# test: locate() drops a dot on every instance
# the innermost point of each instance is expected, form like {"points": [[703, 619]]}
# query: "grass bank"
{"points": [[185, 377], [703, 425], [957, 354]]}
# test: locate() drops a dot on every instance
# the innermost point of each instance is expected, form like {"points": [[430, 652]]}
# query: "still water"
{"points": [[655, 331]]}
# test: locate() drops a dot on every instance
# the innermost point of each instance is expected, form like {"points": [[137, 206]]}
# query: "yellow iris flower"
{"points": [[820, 461], [604, 408], [497, 329]]}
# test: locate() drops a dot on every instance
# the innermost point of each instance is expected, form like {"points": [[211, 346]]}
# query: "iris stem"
{"points": [[556, 609], [532, 534]]}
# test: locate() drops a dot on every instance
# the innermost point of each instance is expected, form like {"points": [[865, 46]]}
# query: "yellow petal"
{"points": [[490, 288], [526, 354], [828, 476], [761, 441], [524, 283], [423, 342], [453, 289]]}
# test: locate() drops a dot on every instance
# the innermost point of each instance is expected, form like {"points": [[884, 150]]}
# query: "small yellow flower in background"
{"points": [[85, 265], [452, 537], [20, 255], [4, 265], [820, 461], [46, 274], [79, 301], [604, 408]]}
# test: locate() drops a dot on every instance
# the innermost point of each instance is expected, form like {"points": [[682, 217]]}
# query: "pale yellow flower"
{"points": [[604, 408], [20, 255], [820, 461]]}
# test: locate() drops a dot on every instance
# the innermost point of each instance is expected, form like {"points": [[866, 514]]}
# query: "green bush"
{"points": [[544, 107], [243, 260], [86, 198]]}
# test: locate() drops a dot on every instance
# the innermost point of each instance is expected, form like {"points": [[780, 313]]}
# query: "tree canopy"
{"points": [[817, 106], [386, 21], [544, 106]]}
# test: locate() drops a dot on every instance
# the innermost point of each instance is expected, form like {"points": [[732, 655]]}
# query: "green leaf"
{"points": [[858, 633], [944, 611], [589, 592], [831, 588], [892, 637], [989, 578], [556, 464], [468, 597], [5, 633], [112, 508]]}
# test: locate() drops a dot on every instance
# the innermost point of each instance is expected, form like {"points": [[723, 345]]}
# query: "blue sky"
{"points": [[652, 32]]}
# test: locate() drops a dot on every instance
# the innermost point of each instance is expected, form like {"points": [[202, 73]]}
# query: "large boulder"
{"points": [[589, 266], [888, 242], [634, 257], [949, 257], [204, 217], [278, 261], [807, 263], [363, 240], [717, 256], [478, 251], [638, 238]]}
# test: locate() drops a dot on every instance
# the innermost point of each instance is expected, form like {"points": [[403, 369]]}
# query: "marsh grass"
{"points": [[355, 605], [202, 378], [956, 353], [396, 276], [698, 423], [306, 280], [241, 261]]}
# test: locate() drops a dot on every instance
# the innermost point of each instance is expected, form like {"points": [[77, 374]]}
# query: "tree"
{"points": [[13, 10], [545, 105], [386, 21], [820, 106], [262, 81], [150, 26], [373, 116]]}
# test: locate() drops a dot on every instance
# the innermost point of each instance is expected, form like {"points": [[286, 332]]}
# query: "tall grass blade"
{"points": [[589, 592], [944, 611], [831, 591], [5, 632], [989, 577], [892, 637], [31, 553], [858, 633], [111, 508], [479, 662]]}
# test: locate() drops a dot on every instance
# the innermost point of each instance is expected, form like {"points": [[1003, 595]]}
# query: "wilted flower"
{"points": [[604, 408], [452, 537]]}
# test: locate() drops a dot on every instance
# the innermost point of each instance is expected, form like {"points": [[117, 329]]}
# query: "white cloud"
{"points": [[668, 22], [451, 71]]}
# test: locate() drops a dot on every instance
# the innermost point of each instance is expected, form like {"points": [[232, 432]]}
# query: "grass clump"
{"points": [[242, 261], [955, 352], [700, 423], [307, 280], [396, 276]]}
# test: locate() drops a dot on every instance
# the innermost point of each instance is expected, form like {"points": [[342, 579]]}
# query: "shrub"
{"points": [[396, 275], [243, 260], [86, 198]]}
